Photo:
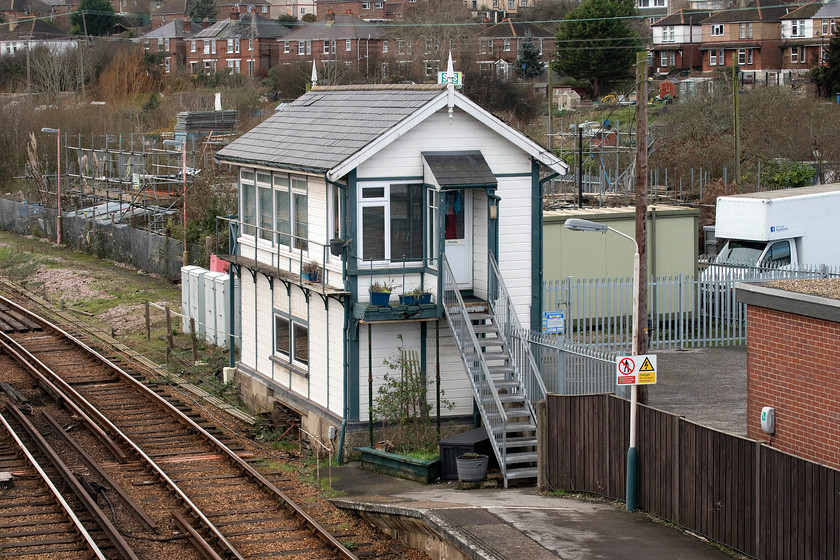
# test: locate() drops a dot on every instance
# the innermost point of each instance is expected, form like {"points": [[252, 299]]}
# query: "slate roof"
{"points": [[327, 125], [757, 11], [805, 12], [829, 10], [36, 28], [180, 6], [346, 26], [460, 169], [25, 6], [684, 17], [174, 28], [516, 28], [241, 28]]}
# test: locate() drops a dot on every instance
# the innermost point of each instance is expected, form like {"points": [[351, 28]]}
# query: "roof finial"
{"points": [[314, 74], [450, 87]]}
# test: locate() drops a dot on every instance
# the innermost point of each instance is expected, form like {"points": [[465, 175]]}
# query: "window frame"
{"points": [[285, 350], [717, 30], [367, 198]]}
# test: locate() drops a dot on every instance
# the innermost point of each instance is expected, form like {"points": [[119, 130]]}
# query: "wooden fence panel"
{"points": [[736, 491]]}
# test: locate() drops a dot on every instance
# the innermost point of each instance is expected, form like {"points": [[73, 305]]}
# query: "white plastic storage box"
{"points": [[186, 280], [197, 306], [211, 315]]}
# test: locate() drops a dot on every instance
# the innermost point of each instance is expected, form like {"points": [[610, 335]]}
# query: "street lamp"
{"points": [[183, 146], [576, 224], [57, 133]]}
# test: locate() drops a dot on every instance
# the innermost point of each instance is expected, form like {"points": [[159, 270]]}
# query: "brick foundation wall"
{"points": [[793, 365]]}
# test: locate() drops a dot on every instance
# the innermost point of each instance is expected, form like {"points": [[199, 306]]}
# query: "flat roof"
{"points": [[797, 191]]}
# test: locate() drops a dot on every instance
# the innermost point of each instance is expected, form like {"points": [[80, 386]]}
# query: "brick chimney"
{"points": [[187, 26], [330, 19], [234, 16]]}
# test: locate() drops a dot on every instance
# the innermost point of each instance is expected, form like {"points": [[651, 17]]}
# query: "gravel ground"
{"points": [[823, 287]]}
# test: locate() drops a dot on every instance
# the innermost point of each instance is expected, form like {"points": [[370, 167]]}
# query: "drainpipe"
{"points": [[343, 430]]}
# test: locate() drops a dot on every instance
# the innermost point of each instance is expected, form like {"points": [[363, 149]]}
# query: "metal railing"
{"points": [[683, 310], [516, 338], [484, 390]]}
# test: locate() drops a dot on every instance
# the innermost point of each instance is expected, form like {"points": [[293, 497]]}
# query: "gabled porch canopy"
{"points": [[458, 170]]}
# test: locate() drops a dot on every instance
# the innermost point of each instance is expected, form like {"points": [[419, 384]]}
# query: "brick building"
{"points": [[245, 43], [793, 348]]}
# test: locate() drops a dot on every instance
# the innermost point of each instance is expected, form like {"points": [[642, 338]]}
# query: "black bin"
{"points": [[473, 441]]}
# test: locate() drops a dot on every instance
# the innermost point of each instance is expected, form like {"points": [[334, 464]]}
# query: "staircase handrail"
{"points": [[523, 360], [488, 388]]}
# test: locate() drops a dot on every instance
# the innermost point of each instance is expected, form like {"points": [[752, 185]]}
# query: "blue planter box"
{"points": [[399, 465], [380, 299]]}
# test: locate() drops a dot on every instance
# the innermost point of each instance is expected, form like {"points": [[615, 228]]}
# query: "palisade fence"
{"points": [[683, 311], [722, 486]]}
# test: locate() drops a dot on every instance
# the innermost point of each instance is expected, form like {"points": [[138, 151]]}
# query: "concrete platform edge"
{"points": [[448, 534]]}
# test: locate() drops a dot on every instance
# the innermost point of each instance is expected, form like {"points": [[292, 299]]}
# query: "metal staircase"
{"points": [[505, 380]]}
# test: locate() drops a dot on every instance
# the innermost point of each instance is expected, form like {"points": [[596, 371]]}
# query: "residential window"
{"points": [[303, 11], [506, 47], [250, 67], [193, 67], [230, 45], [833, 28], [366, 5], [644, 3], [166, 44], [742, 56], [717, 29], [167, 65], [206, 47], [265, 9], [713, 57], [495, 3], [379, 5], [742, 31], [798, 28], [523, 3], [432, 242], [235, 65], [720, 58], [825, 27], [391, 222], [384, 47], [251, 45], [160, 43], [286, 47], [797, 55], [326, 47], [309, 47], [663, 59], [401, 46], [511, 5], [336, 211], [301, 47], [291, 338], [483, 46], [668, 34], [248, 201], [348, 45], [432, 67], [749, 56], [236, 46], [212, 47]]}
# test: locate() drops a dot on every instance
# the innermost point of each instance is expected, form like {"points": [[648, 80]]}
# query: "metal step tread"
{"points": [[519, 442], [529, 472], [523, 457], [519, 427], [486, 328], [512, 413]]}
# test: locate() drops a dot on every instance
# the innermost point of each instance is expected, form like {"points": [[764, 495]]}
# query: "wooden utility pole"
{"points": [[640, 328], [736, 124]]}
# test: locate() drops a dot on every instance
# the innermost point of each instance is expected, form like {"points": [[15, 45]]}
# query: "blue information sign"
{"points": [[553, 322]]}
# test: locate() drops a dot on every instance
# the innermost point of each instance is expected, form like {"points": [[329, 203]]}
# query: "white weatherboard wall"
{"points": [[515, 242], [386, 342]]}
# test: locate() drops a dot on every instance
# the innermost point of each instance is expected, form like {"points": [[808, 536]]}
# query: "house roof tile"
{"points": [[516, 28], [243, 28], [346, 26], [804, 12], [757, 11], [684, 17]]}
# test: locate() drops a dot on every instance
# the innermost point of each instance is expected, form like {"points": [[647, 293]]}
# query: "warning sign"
{"points": [[636, 370]]}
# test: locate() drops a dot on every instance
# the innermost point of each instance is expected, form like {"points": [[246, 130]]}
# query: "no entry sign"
{"points": [[636, 370]]}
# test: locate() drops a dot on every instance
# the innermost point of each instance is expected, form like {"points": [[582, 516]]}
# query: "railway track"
{"points": [[160, 481]]}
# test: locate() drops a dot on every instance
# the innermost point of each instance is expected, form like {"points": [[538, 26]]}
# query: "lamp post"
{"points": [[57, 133], [576, 224], [183, 146]]}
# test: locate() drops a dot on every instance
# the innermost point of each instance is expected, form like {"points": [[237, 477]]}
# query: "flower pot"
{"points": [[337, 246], [425, 297], [380, 299], [472, 469], [408, 299], [310, 276]]}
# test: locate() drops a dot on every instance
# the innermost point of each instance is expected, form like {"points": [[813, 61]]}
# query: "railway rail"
{"points": [[161, 482]]}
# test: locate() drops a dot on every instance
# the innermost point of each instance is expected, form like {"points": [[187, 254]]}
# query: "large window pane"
{"points": [[373, 232], [249, 208], [301, 340], [301, 228], [282, 223], [281, 335], [265, 213], [406, 222]]}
